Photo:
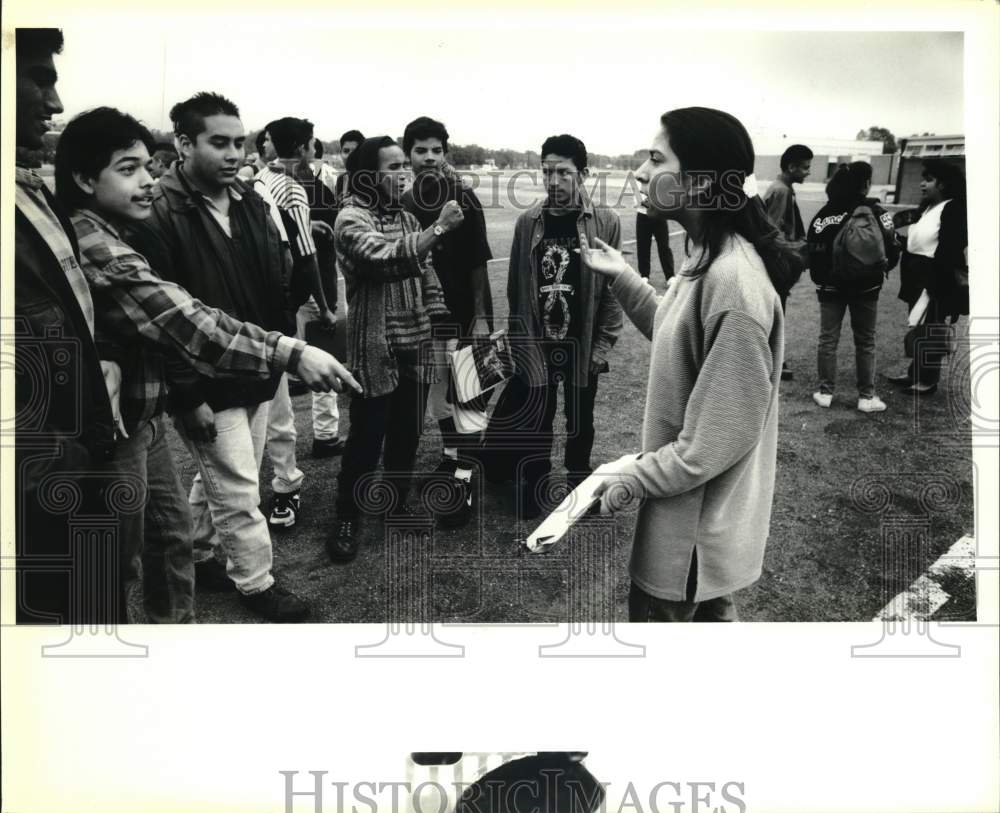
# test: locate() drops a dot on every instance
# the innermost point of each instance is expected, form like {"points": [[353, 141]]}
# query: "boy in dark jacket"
{"points": [[847, 191], [214, 236], [64, 427]]}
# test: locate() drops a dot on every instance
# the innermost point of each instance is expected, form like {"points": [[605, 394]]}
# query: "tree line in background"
{"points": [[464, 156]]}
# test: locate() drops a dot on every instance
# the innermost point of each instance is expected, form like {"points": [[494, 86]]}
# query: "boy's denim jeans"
{"points": [[325, 412], [225, 497], [156, 540], [281, 437], [864, 313]]}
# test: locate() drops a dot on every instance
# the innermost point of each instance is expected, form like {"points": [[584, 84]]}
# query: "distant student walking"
{"points": [[783, 211]]}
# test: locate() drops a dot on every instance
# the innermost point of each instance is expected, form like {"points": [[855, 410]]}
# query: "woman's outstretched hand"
{"points": [[604, 259]]}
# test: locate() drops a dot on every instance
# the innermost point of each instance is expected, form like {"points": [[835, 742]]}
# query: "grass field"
{"points": [[824, 559]]}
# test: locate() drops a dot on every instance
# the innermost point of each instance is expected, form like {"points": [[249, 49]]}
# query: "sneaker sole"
{"points": [[280, 525]]}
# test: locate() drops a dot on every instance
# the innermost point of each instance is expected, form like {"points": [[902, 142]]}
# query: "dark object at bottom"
{"points": [[436, 757], [545, 783], [900, 380], [786, 373]]}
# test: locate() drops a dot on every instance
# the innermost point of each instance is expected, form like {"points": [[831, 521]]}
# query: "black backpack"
{"points": [[858, 250]]}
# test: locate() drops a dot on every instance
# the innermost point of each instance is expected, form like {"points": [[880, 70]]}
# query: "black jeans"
{"points": [[928, 345], [643, 607], [397, 419], [646, 229], [520, 431]]}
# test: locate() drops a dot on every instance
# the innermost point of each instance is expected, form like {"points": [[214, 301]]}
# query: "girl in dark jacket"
{"points": [[846, 191], [935, 262]]}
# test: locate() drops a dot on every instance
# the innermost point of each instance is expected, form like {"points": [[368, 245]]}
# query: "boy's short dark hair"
{"points": [[288, 134], [189, 116], [165, 152], [352, 136], [86, 147], [424, 127], [260, 138], [566, 146], [795, 154], [31, 43]]}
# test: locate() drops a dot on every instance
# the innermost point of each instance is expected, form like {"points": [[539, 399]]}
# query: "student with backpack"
{"points": [[852, 246]]}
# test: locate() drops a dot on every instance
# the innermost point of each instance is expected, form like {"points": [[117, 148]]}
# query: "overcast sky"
{"points": [[511, 86]]}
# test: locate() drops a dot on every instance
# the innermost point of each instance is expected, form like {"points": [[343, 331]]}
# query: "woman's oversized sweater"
{"points": [[710, 428]]}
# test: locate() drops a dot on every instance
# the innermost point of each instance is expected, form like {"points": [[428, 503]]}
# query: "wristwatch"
{"points": [[438, 231]]}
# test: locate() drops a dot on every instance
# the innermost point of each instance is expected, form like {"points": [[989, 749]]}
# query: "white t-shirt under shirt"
{"points": [[922, 236]]}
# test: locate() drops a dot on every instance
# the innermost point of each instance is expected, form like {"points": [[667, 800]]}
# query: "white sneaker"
{"points": [[873, 404], [824, 399]]}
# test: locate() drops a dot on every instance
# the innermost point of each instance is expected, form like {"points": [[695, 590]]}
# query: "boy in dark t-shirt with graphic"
{"points": [[564, 320]]}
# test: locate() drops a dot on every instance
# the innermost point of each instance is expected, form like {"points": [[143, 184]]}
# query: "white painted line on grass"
{"points": [[925, 596]]}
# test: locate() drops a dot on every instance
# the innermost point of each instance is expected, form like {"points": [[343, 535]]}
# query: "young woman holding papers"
{"points": [[706, 475]]}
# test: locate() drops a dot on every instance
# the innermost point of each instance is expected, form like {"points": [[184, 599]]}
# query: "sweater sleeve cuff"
{"points": [[627, 281], [287, 353]]}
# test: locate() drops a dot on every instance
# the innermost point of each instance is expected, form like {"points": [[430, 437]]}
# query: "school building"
{"points": [[828, 154]]}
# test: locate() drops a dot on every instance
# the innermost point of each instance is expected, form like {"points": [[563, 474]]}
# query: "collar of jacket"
{"points": [[586, 207], [180, 192]]}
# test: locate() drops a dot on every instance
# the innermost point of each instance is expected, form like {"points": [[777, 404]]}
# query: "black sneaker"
{"points": [[786, 372], [284, 511], [328, 448], [446, 466], [459, 498], [343, 545], [210, 576], [276, 604]]}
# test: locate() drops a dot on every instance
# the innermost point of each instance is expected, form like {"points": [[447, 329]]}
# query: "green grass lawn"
{"points": [[824, 559]]}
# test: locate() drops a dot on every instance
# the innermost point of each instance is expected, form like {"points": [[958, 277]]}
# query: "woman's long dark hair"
{"points": [[846, 188], [948, 175], [362, 170], [715, 144]]}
